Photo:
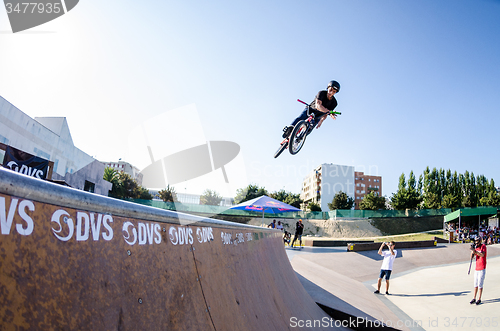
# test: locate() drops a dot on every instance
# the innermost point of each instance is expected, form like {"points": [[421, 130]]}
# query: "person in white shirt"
{"points": [[386, 269]]}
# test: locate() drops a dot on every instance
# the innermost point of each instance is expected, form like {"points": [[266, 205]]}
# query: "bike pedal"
{"points": [[287, 130]]}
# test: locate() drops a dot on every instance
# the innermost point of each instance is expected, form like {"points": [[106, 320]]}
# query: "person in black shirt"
{"points": [[299, 228], [323, 103]]}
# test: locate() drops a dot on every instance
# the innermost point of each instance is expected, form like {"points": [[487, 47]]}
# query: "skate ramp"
{"points": [[430, 286], [74, 260]]}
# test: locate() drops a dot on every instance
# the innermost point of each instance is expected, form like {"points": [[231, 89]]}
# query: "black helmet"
{"points": [[334, 84]]}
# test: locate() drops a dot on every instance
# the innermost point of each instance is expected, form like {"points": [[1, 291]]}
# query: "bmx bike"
{"points": [[295, 141]]}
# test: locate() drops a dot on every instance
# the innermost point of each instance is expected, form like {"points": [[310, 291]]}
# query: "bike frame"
{"points": [[311, 116], [309, 119]]}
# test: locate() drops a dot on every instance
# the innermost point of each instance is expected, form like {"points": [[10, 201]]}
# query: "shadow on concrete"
{"points": [[456, 294], [490, 301], [307, 249], [374, 254]]}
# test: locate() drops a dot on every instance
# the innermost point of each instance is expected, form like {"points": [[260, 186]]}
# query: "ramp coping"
{"points": [[27, 187]]}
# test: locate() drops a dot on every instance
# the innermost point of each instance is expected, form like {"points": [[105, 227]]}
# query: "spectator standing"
{"points": [[299, 228], [272, 225], [479, 251], [386, 269], [279, 226]]}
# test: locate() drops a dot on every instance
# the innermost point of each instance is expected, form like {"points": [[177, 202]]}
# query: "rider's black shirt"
{"points": [[299, 228], [328, 104]]}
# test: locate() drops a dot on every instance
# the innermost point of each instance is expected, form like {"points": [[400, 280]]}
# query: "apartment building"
{"points": [[326, 180], [365, 184]]}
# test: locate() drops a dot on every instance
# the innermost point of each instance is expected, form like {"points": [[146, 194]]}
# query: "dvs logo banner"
{"points": [[25, 14]]}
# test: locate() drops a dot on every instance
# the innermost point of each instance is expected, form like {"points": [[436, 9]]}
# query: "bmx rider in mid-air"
{"points": [[323, 103]]}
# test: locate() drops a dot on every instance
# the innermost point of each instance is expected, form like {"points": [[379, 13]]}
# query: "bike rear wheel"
{"points": [[280, 150], [298, 137]]}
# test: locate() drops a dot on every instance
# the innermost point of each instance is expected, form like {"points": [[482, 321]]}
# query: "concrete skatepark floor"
{"points": [[430, 288]]}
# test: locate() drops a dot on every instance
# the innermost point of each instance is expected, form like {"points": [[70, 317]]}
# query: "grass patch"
{"points": [[412, 236]]}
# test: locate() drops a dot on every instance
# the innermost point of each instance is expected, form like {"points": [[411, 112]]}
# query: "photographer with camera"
{"points": [[386, 269], [478, 249]]}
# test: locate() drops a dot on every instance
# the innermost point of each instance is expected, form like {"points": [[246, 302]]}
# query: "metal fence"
{"points": [[207, 209]]}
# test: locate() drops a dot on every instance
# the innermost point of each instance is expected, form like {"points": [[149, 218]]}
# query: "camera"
{"points": [[473, 246]]}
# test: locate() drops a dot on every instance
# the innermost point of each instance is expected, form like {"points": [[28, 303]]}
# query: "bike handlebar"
{"points": [[330, 112]]}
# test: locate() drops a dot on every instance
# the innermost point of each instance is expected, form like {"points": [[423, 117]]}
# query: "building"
{"points": [[127, 168], [48, 138], [321, 185], [365, 184], [193, 199]]}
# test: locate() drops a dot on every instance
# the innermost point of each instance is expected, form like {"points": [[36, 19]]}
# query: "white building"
{"points": [[127, 168], [194, 199], [49, 138], [321, 185]]}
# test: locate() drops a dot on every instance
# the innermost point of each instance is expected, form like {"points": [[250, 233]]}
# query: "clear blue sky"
{"points": [[420, 80]]}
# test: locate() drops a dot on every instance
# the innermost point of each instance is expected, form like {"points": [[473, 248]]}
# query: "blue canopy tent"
{"points": [[266, 205]]}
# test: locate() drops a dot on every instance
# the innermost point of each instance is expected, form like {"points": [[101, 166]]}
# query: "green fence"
{"points": [[206, 209]]}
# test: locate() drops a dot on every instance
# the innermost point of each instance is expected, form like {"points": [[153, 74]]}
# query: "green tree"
{"points": [[293, 200], [431, 195], [407, 196], [482, 187], [210, 197], [398, 199], [432, 201], [250, 192], [287, 197], [473, 191], [313, 206], [142, 193], [168, 194], [444, 189], [110, 175], [450, 201], [372, 201], [420, 185], [280, 195], [492, 200], [125, 187], [341, 201], [442, 184], [457, 190], [491, 188]]}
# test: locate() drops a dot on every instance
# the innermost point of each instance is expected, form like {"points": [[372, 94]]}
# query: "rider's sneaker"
{"points": [[287, 130]]}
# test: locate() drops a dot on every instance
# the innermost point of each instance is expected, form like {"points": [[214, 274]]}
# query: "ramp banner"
{"points": [[25, 163]]}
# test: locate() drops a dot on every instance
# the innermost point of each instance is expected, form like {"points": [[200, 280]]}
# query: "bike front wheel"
{"points": [[298, 137], [280, 150]]}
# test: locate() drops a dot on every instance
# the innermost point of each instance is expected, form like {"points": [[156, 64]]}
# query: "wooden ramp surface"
{"points": [[71, 260]]}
